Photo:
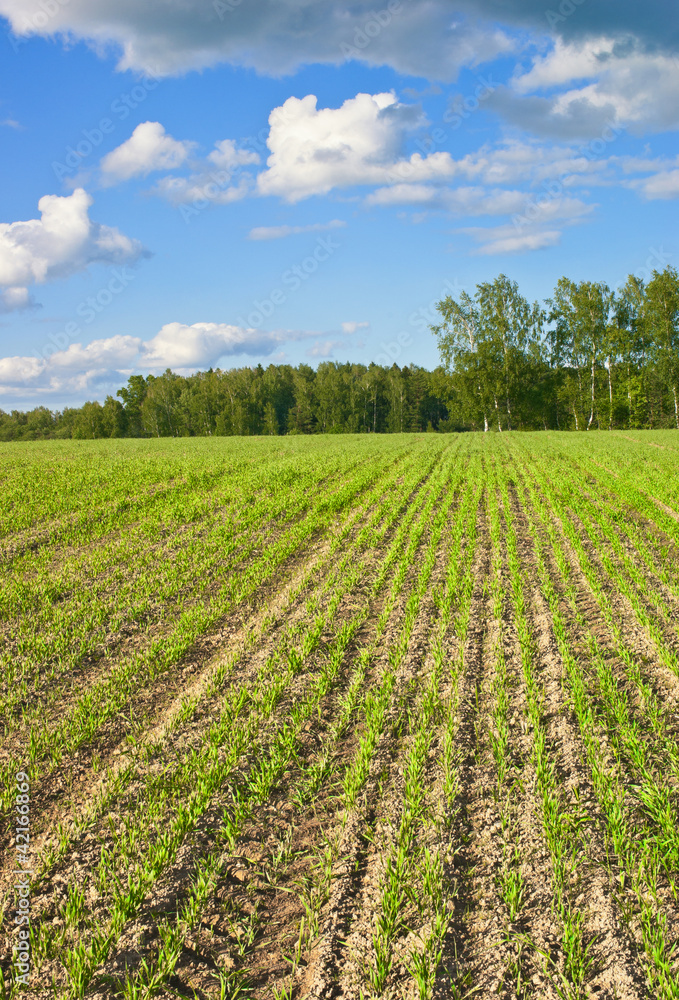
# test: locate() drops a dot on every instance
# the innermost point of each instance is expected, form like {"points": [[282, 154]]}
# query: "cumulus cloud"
{"points": [[180, 346], [279, 232], [227, 156], [15, 299], [219, 179], [593, 83], [351, 326], [61, 242], [183, 347], [315, 150], [98, 357], [148, 149]]}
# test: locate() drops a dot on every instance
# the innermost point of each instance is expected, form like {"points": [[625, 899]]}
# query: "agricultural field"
{"points": [[344, 716]]}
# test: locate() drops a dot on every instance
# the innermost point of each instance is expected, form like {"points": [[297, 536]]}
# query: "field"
{"points": [[345, 716]]}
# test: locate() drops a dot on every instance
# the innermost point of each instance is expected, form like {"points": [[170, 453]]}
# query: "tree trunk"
{"points": [[591, 412], [610, 396], [676, 406], [497, 410], [629, 398], [485, 423]]}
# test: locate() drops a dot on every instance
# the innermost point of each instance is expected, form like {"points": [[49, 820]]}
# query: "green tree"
{"points": [[629, 308], [464, 355], [90, 422], [133, 396], [581, 313], [662, 309], [509, 325], [113, 418]]}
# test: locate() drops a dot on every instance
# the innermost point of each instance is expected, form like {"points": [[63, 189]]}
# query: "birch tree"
{"points": [[662, 305]]}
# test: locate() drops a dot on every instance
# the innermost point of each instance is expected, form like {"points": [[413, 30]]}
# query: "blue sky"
{"points": [[229, 182]]}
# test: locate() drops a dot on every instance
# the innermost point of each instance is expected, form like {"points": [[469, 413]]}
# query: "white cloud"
{"points": [[513, 161], [203, 188], [663, 179], [183, 347], [180, 346], [538, 224], [15, 298], [562, 64], [625, 85], [227, 156], [149, 148], [458, 201], [19, 371], [664, 184], [662, 175], [325, 348], [352, 326], [315, 150], [507, 239], [219, 179], [98, 357], [279, 232], [61, 242]]}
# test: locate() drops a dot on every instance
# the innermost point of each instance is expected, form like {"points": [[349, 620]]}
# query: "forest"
{"points": [[587, 358]]}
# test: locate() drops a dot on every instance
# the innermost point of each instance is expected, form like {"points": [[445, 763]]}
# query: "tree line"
{"points": [[279, 399], [589, 357]]}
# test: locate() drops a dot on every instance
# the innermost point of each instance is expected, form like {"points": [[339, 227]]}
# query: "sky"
{"points": [[222, 183]]}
